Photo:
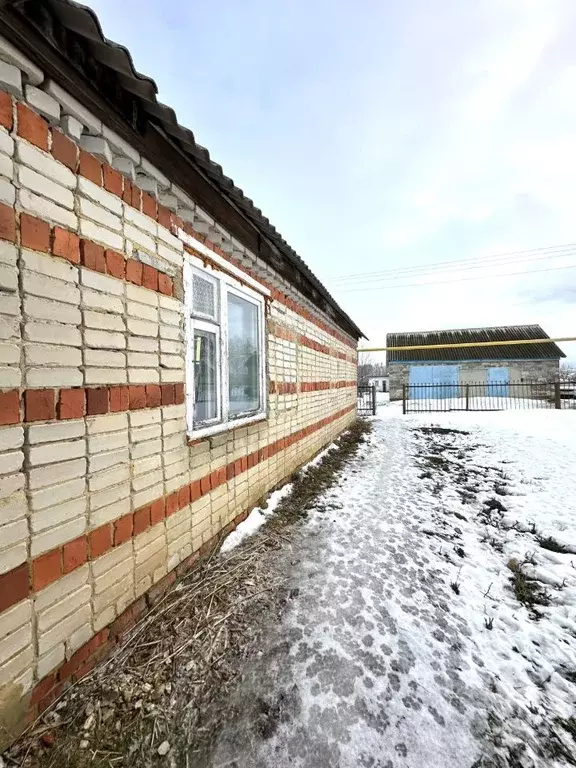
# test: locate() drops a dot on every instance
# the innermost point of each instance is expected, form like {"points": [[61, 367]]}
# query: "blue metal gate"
{"points": [[437, 381], [498, 381]]}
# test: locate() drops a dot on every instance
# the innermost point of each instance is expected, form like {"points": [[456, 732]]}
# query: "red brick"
{"points": [[7, 223], [178, 393], [163, 216], [195, 491], [123, 528], [230, 471], [213, 479], [39, 404], [137, 396], [100, 540], [90, 167], [237, 467], [171, 503], [6, 113], [97, 401], [157, 511], [141, 520], [71, 404], [66, 244], [74, 554], [115, 264], [92, 256], [64, 150], [167, 394], [32, 127], [149, 277], [136, 201], [42, 689], [14, 586], [10, 407], [220, 476], [134, 271], [165, 284], [46, 569], [149, 206], [112, 180], [153, 395], [205, 484], [183, 496], [127, 192], [34, 233], [119, 399], [128, 618]]}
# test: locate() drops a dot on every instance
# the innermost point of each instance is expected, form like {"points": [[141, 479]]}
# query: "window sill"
{"points": [[217, 429]]}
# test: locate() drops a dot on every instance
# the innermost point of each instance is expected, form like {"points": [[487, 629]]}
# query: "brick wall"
{"points": [[102, 495]]}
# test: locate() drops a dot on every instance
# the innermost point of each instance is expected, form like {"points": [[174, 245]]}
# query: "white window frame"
{"points": [[225, 284]]}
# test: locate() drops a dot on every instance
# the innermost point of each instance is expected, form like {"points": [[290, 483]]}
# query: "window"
{"points": [[225, 351]]}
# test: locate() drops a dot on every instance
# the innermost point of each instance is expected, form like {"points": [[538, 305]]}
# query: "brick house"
{"points": [[165, 357]]}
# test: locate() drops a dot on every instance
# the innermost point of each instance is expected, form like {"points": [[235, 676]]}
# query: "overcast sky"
{"points": [[381, 136]]}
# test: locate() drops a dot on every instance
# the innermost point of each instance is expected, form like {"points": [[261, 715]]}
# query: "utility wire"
{"points": [[480, 260], [455, 280]]}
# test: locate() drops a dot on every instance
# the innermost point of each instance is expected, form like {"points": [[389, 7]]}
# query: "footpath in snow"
{"points": [[432, 612]]}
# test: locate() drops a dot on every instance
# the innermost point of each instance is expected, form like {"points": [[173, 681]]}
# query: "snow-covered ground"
{"points": [[426, 624]]}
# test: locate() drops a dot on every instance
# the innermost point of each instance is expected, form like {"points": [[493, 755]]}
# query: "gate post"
{"points": [[404, 399], [467, 397], [557, 399], [374, 400]]}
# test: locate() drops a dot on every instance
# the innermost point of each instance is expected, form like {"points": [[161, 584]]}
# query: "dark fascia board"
{"points": [[154, 144]]}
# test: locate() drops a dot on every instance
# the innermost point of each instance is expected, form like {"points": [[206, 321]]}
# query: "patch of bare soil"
{"points": [[157, 700]]}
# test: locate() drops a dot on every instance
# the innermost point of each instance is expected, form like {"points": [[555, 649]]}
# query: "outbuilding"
{"points": [[488, 363], [166, 357]]}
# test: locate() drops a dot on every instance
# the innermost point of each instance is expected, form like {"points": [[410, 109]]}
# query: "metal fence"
{"points": [[522, 395], [366, 400]]}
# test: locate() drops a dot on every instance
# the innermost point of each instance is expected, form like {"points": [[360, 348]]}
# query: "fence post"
{"points": [[374, 400], [404, 399], [467, 397], [557, 399]]}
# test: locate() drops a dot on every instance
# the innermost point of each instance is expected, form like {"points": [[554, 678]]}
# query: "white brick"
{"points": [[112, 422], [107, 442], [45, 187], [62, 513], [101, 301], [64, 629], [173, 256], [9, 377], [55, 537], [46, 265], [145, 417], [141, 295], [70, 106], [114, 573], [171, 361], [55, 431], [11, 461], [97, 146], [52, 355], [59, 610], [10, 78], [147, 183], [53, 377], [13, 557], [57, 452], [15, 617], [99, 214], [43, 103], [109, 477], [168, 200], [72, 127], [101, 235], [44, 164], [53, 333], [12, 533], [126, 167], [101, 282], [139, 220], [141, 311], [173, 242], [141, 482], [172, 347], [109, 496], [142, 327], [48, 287], [12, 643], [171, 375], [120, 146], [170, 332], [6, 143], [139, 237], [145, 448], [142, 359], [104, 358], [106, 376], [105, 340], [139, 344], [7, 192], [9, 327], [8, 254], [106, 199], [146, 465], [43, 309], [143, 376], [11, 438], [56, 494], [47, 475], [10, 305], [9, 353], [13, 55], [7, 170], [78, 638], [46, 209], [174, 305], [59, 589], [102, 323], [10, 485], [50, 660], [173, 412], [171, 318], [104, 460], [147, 432]]}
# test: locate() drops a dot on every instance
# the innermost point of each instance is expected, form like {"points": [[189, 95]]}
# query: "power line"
{"points": [[456, 280], [454, 264]]}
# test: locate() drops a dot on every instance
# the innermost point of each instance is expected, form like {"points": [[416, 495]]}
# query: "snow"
{"points": [[377, 661]]}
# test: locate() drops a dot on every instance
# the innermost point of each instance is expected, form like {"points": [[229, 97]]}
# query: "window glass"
{"points": [[205, 376], [204, 296], [243, 356]]}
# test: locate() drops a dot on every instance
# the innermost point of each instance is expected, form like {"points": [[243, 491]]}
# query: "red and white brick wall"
{"points": [[102, 495]]}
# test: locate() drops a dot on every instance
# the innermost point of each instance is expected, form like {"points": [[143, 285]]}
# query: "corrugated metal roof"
{"points": [[82, 21], [467, 335]]}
